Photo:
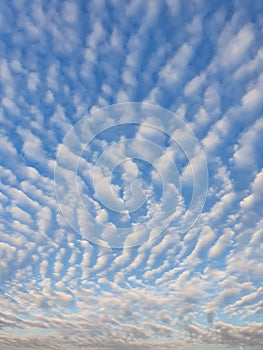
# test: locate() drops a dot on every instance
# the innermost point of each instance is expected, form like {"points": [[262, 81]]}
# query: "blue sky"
{"points": [[131, 225]]}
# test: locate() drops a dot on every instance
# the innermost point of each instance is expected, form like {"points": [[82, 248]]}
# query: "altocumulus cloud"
{"points": [[62, 60]]}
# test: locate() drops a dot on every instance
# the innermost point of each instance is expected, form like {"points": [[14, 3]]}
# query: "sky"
{"points": [[131, 170]]}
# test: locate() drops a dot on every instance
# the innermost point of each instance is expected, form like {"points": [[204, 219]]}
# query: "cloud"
{"points": [[194, 85], [174, 68], [32, 147], [246, 151], [237, 49], [255, 197], [224, 241], [206, 237], [200, 288]]}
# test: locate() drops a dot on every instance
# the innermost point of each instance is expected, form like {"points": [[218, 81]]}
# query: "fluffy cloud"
{"points": [[172, 289]]}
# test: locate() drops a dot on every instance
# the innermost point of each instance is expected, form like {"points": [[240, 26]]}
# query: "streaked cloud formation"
{"points": [[63, 60]]}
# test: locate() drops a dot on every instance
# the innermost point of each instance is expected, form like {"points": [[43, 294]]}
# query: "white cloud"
{"points": [[217, 134], [221, 207], [238, 48], [250, 67], [7, 145], [21, 215], [33, 81], [223, 242], [252, 99], [59, 290], [32, 145], [173, 70], [206, 237], [10, 106], [102, 260], [255, 198], [194, 86], [70, 12], [246, 151]]}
